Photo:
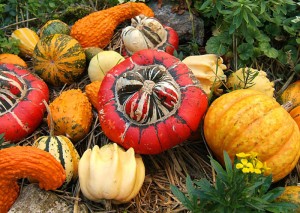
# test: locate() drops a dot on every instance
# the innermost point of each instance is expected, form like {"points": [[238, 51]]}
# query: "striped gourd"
{"points": [[53, 27], [59, 59], [64, 151], [28, 40]]}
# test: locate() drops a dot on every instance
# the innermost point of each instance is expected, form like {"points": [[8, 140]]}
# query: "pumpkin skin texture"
{"points": [[59, 59], [97, 29], [64, 152], [249, 121], [28, 40], [54, 27], [72, 114], [21, 101], [295, 113], [91, 91], [291, 94], [26, 161], [8, 58], [151, 101]]}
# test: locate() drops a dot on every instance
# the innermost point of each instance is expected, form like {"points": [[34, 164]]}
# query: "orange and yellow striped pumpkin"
{"points": [[28, 40], [249, 121], [59, 59]]}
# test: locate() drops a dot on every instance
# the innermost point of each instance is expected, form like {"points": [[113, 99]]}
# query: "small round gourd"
{"points": [[64, 151], [9, 58], [249, 121], [28, 40], [59, 59], [54, 27]]}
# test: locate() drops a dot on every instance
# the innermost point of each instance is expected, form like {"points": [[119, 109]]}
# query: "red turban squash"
{"points": [[151, 102]]}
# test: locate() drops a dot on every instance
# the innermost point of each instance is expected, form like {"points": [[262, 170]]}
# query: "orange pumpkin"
{"points": [[250, 121], [9, 58], [291, 94], [295, 113]]}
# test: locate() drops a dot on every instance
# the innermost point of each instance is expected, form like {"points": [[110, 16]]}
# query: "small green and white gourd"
{"points": [[62, 148]]}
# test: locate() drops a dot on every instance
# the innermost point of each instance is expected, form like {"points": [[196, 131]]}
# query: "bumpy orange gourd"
{"points": [[72, 114], [249, 121], [8, 58], [97, 29], [91, 91], [27, 161]]}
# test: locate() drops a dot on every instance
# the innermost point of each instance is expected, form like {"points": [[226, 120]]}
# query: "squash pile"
{"points": [[144, 99]]}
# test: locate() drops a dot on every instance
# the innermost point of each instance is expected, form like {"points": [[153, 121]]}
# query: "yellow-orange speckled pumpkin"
{"points": [[59, 59], [249, 121], [291, 194], [72, 114]]}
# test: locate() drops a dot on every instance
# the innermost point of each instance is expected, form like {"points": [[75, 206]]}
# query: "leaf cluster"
{"points": [[233, 191], [252, 28]]}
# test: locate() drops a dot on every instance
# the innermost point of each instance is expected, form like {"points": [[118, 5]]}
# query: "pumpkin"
{"points": [[21, 106], [54, 27], [111, 173], [247, 121], [97, 28], [102, 63], [9, 58], [291, 194], [209, 70], [62, 149], [27, 161], [249, 78], [28, 40], [148, 33], [295, 113], [91, 91], [151, 101], [291, 94], [59, 59], [72, 114]]}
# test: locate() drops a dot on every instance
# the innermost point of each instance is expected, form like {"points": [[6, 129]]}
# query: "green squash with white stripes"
{"points": [[59, 59], [64, 151]]}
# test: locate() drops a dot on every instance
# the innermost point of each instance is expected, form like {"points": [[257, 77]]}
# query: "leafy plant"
{"points": [[240, 187], [8, 45], [250, 29]]}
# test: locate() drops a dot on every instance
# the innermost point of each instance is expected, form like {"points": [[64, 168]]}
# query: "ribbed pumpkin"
{"points": [[54, 27], [291, 94], [59, 59], [72, 114], [8, 58], [28, 40], [247, 120]]}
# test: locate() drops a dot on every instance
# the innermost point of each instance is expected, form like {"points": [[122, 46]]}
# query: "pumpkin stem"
{"points": [[50, 117]]}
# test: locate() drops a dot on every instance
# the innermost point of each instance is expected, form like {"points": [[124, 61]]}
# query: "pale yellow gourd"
{"points": [[102, 62], [249, 78], [209, 70], [111, 173]]}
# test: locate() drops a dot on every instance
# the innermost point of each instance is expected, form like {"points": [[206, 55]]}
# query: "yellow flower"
{"points": [[243, 155]]}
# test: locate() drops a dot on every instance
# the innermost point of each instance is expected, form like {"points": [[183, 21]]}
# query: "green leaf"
{"points": [[181, 197], [216, 46], [271, 52], [245, 51]]}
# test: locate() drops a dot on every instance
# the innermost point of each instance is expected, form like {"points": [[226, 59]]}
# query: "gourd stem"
{"points": [[50, 117]]}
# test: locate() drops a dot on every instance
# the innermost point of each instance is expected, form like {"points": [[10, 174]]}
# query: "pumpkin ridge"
{"points": [[217, 116], [258, 145]]}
